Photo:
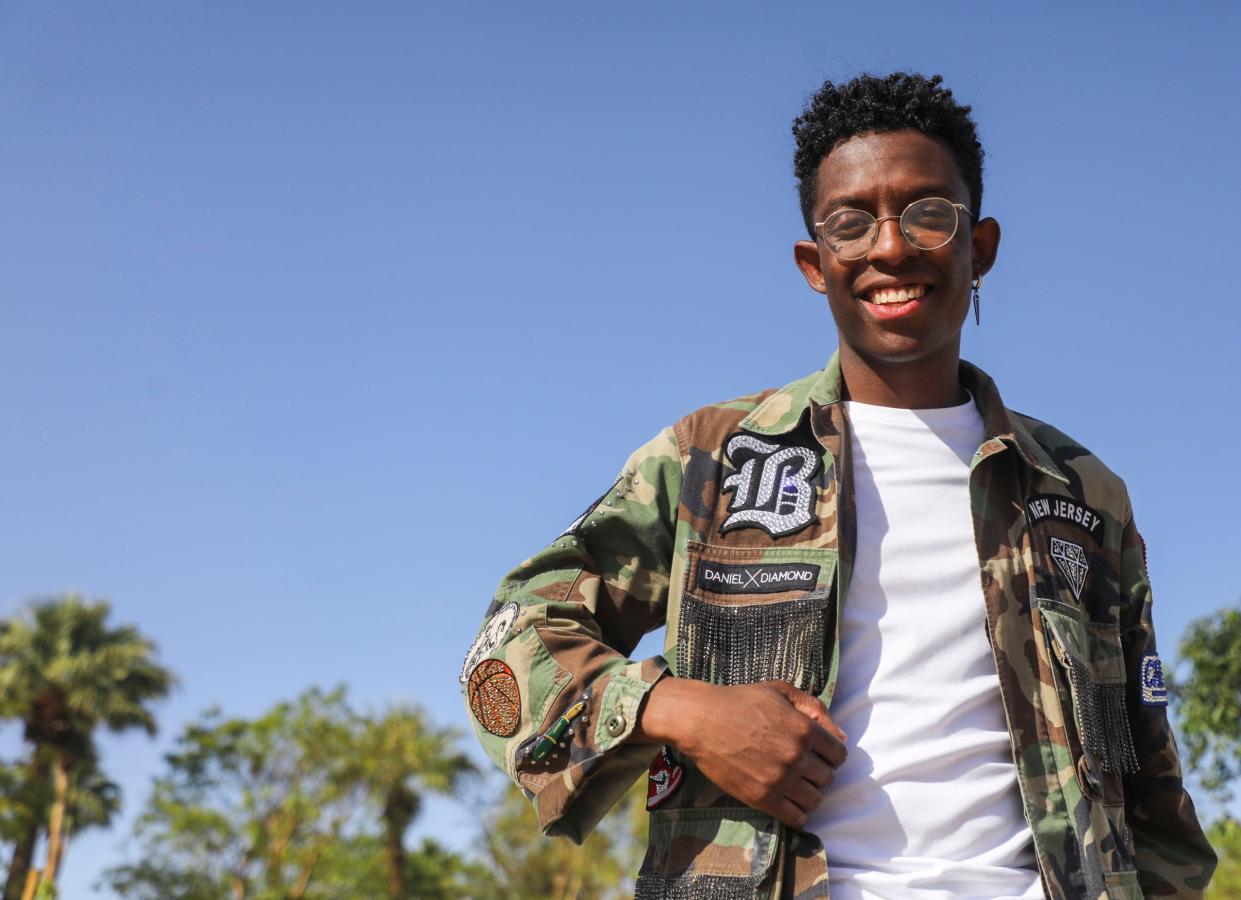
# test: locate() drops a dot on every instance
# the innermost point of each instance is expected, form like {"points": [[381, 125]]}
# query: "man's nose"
{"points": [[890, 244]]}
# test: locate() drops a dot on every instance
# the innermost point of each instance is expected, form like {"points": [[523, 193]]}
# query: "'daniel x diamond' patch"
{"points": [[1154, 691], [1073, 563], [760, 578]]}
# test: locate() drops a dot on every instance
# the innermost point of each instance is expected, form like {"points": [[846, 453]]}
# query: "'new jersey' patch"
{"points": [[1073, 563], [1154, 692], [1064, 509], [761, 578]]}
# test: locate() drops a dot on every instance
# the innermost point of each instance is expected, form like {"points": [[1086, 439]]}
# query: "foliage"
{"points": [[439, 874], [22, 801], [92, 801], [396, 756], [297, 803], [63, 674], [527, 864], [1209, 700], [1225, 837]]}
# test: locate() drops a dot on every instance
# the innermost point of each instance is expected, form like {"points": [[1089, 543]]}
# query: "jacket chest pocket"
{"points": [[753, 614], [1088, 664]]}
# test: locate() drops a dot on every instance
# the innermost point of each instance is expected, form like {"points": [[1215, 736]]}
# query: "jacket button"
{"points": [[615, 725]]}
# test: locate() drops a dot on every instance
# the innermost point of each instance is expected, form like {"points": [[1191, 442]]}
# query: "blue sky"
{"points": [[316, 318]]}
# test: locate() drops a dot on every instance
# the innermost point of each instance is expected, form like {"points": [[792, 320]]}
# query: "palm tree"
{"points": [[401, 756], [64, 673], [92, 801]]}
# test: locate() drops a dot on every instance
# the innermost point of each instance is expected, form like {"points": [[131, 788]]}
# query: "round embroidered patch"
{"points": [[494, 697], [490, 637]]}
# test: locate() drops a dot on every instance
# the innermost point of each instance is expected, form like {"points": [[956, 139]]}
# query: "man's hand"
{"points": [[770, 745]]}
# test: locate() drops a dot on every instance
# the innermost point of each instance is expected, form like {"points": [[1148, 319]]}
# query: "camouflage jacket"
{"points": [[735, 527]]}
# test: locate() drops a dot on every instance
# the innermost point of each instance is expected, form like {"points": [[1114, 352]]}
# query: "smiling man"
{"points": [[909, 648]]}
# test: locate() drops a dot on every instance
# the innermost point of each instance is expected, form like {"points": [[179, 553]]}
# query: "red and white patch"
{"points": [[665, 777]]}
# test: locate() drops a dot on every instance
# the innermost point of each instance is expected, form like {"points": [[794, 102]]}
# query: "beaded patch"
{"points": [[495, 698], [771, 487], [744, 644], [663, 779], [1073, 563], [699, 887], [1154, 691], [1102, 721]]}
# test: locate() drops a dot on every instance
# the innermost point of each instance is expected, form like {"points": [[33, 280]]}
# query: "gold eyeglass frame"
{"points": [[875, 221]]}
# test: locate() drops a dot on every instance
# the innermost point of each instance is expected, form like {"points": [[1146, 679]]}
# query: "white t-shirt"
{"points": [[927, 804]]}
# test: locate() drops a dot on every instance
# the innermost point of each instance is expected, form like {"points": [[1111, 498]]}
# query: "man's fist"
{"points": [[770, 745]]}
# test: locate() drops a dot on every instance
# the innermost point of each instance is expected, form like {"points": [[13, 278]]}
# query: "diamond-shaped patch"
{"points": [[1072, 561]]}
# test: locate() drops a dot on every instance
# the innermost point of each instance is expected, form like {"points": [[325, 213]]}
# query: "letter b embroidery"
{"points": [[771, 487]]}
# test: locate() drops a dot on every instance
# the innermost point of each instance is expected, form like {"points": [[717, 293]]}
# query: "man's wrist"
{"points": [[668, 711]]}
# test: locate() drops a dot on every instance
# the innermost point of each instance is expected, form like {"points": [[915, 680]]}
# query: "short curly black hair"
{"points": [[870, 103]]}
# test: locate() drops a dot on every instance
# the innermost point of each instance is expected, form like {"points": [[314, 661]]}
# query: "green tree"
{"points": [[309, 800], [64, 673], [1208, 700], [525, 863], [399, 757], [248, 808], [93, 801], [1225, 837]]}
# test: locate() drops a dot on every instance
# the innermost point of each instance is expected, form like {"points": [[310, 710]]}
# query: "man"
{"points": [[961, 585]]}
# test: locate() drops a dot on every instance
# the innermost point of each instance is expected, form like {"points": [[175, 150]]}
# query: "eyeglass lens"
{"points": [[927, 224]]}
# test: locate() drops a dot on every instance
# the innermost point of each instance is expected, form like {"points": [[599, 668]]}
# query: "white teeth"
{"points": [[898, 295]]}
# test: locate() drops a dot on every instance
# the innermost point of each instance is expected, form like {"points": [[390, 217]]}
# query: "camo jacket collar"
{"points": [[783, 410]]}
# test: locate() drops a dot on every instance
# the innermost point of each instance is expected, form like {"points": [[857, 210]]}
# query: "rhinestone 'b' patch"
{"points": [[772, 487]]}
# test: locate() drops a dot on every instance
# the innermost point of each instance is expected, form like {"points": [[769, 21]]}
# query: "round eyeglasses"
{"points": [[928, 224]]}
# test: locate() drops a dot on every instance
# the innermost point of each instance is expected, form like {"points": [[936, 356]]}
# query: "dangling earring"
{"points": [[977, 284]]}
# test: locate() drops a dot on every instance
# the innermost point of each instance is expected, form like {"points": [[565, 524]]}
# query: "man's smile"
{"points": [[895, 293], [893, 301]]}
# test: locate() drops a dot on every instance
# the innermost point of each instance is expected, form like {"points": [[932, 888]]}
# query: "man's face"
{"points": [[882, 174]]}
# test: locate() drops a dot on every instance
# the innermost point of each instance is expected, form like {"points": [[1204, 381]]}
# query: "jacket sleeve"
{"points": [[1172, 855], [551, 691]]}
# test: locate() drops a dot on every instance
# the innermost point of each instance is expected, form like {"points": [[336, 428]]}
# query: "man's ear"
{"points": [[984, 245], [806, 255]]}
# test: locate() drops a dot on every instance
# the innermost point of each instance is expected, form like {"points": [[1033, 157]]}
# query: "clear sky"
{"points": [[316, 318]]}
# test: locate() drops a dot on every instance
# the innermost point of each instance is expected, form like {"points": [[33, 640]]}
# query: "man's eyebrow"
{"points": [[926, 190]]}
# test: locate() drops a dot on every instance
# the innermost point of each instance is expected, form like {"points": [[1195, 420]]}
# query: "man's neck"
{"points": [[931, 383]]}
